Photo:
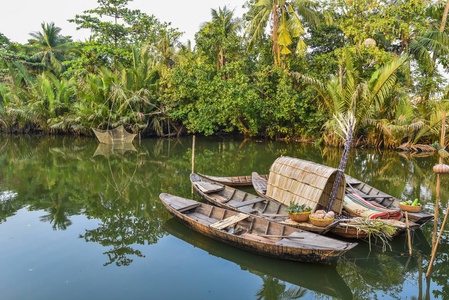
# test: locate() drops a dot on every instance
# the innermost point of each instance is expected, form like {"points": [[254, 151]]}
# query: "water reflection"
{"points": [[67, 177], [322, 279]]}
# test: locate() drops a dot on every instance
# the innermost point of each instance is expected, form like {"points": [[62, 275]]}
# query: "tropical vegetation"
{"points": [[286, 69]]}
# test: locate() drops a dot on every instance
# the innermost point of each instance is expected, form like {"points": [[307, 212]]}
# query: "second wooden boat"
{"points": [[232, 180], [363, 190], [254, 234], [232, 198]]}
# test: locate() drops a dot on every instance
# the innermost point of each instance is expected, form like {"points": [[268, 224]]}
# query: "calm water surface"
{"points": [[79, 220]]}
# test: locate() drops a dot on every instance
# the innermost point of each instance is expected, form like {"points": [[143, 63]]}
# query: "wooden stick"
{"points": [[193, 154], [435, 217], [408, 234], [434, 249], [437, 200], [193, 157], [443, 131]]}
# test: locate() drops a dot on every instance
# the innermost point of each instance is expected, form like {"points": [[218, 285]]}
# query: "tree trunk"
{"points": [[444, 19], [274, 36], [341, 170]]}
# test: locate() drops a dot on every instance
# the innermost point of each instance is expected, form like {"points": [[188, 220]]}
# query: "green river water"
{"points": [[82, 221]]}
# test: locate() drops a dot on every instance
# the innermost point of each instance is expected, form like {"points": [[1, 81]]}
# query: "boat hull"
{"points": [[257, 244]]}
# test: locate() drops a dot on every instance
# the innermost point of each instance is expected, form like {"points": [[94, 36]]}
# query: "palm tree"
{"points": [[49, 46], [223, 26], [351, 101], [285, 24]]}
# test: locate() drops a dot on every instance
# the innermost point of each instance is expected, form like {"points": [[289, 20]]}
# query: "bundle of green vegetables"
{"points": [[295, 208], [375, 228], [409, 202]]}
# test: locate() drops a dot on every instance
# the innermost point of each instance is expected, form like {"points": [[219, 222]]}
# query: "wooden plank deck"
{"points": [[208, 188], [229, 221]]}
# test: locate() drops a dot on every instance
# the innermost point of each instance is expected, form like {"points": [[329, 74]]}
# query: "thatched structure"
{"points": [[303, 182]]}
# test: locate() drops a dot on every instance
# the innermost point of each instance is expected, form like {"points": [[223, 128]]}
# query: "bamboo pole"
{"points": [[193, 158], [437, 200], [420, 276], [435, 217], [408, 235], [193, 154], [435, 221], [434, 249]]}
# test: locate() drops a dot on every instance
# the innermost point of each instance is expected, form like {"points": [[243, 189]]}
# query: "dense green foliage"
{"points": [[282, 70]]}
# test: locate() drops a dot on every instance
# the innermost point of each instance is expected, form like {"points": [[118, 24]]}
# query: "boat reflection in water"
{"points": [[321, 279]]}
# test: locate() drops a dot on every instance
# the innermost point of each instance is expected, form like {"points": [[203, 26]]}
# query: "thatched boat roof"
{"points": [[303, 182]]}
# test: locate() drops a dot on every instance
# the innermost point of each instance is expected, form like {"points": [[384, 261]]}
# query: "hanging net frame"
{"points": [[113, 136]]}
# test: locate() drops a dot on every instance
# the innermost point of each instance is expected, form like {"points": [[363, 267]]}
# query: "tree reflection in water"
{"points": [[61, 177], [121, 212], [273, 289]]}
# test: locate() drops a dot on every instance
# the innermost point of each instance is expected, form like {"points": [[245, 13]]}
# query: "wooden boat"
{"points": [[254, 234], [322, 278], [232, 181], [116, 135], [383, 199], [367, 192], [232, 198]]}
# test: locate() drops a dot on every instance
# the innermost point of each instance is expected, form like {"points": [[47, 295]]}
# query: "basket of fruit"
{"points": [[298, 213], [410, 206], [321, 218]]}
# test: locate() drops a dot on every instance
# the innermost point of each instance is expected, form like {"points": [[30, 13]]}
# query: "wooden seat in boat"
{"points": [[229, 221]]}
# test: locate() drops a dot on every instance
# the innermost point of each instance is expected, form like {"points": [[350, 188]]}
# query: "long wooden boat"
{"points": [[232, 198], [232, 180], [322, 278], [362, 189], [254, 234]]}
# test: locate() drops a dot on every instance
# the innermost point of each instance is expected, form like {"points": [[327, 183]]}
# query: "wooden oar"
{"points": [[408, 234]]}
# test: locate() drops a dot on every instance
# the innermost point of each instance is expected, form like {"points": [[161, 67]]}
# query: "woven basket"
{"points": [[300, 217], [410, 208], [321, 222]]}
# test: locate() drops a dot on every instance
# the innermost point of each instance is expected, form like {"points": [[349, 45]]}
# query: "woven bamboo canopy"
{"points": [[303, 182]]}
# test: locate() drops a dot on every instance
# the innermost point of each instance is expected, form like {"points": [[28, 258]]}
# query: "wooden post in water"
{"points": [[408, 235], [434, 248], [193, 154], [437, 200], [193, 158], [435, 221]]}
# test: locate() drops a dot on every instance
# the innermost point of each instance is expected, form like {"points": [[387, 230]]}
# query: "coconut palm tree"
{"points": [[223, 26], [351, 101], [49, 46], [284, 18]]}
